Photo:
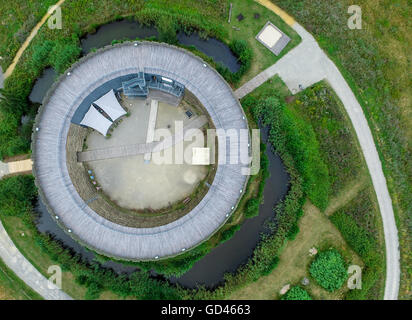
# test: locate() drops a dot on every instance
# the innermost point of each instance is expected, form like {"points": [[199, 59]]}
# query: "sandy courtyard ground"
{"points": [[134, 184]]}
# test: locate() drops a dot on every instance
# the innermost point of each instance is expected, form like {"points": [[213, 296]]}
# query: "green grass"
{"points": [[249, 27], [28, 246], [290, 133], [18, 18], [209, 17], [356, 223], [376, 63], [12, 288], [338, 146]]}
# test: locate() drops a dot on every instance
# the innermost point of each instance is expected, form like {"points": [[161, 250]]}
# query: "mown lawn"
{"points": [[315, 231], [12, 288]]}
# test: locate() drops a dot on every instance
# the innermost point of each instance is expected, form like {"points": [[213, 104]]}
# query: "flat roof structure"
{"points": [[49, 151], [111, 105], [95, 120], [273, 38]]}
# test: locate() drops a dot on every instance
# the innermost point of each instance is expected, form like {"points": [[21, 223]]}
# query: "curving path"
{"points": [[292, 76], [307, 64], [17, 262], [25, 270], [33, 33]]}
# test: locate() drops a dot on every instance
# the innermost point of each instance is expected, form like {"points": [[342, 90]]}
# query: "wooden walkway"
{"points": [[140, 148], [15, 167], [49, 151]]}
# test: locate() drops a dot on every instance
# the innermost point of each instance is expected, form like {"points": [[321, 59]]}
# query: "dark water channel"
{"points": [[228, 256], [125, 29]]}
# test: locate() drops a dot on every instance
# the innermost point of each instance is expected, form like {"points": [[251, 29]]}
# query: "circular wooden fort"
{"points": [[49, 152]]}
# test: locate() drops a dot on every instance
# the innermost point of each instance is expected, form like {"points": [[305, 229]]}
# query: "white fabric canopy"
{"points": [[94, 119], [111, 105]]}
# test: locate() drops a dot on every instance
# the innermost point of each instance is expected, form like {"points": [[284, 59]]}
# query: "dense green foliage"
{"points": [[14, 137], [178, 265], [361, 235], [253, 204], [328, 269], [245, 55], [337, 144], [296, 293], [376, 63], [167, 30], [291, 134], [17, 198], [17, 195], [229, 233]]}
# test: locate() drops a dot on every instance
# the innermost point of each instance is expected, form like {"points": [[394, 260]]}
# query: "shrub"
{"points": [[229, 233], [17, 195], [293, 232], [270, 266], [244, 53], [252, 208], [364, 245], [296, 293], [328, 269]]}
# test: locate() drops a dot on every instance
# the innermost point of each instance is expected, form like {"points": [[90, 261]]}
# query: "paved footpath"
{"points": [[25, 271], [305, 65], [15, 261]]}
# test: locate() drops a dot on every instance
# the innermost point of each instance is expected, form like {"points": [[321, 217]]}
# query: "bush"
{"points": [[270, 266], [328, 269], [293, 232], [297, 293], [229, 233], [365, 246], [244, 53], [252, 208], [17, 195]]}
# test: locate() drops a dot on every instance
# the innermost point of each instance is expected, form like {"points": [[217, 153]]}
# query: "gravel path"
{"points": [[307, 64], [25, 270]]}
